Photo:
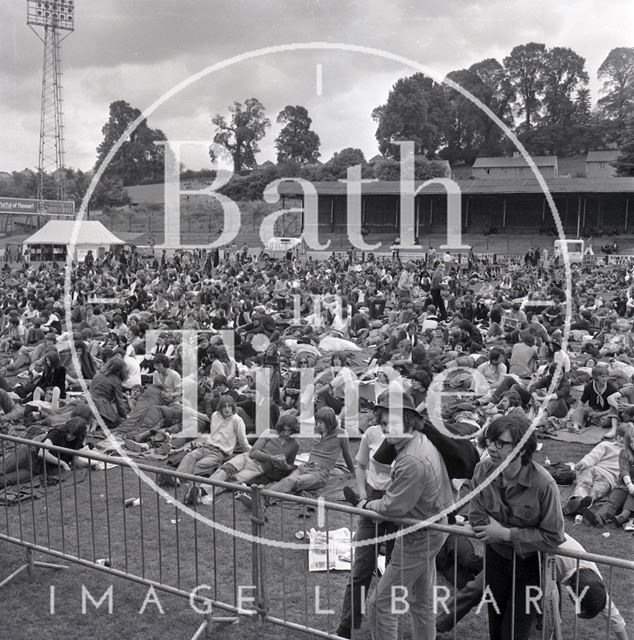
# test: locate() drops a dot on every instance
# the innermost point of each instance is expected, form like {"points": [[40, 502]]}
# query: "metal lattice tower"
{"points": [[48, 19]]}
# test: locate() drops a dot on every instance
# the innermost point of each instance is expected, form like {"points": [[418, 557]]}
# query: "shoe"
{"points": [[570, 508], [610, 435], [343, 632], [629, 525], [245, 499], [584, 503], [137, 447], [192, 494], [351, 496], [620, 520], [593, 518]]}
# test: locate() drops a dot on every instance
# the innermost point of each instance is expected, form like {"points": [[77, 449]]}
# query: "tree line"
{"points": [[539, 93]]}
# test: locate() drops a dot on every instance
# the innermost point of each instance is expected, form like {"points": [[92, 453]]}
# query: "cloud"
{"points": [[136, 51]]}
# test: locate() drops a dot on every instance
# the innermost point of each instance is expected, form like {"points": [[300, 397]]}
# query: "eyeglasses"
{"points": [[499, 443], [300, 362]]}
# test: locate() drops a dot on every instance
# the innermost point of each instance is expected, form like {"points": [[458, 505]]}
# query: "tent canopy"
{"points": [[84, 233]]}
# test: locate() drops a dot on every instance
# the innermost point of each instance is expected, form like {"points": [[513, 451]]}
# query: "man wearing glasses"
{"points": [[516, 515]]}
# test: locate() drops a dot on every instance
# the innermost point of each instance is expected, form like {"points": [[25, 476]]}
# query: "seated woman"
{"points": [[25, 461], [107, 392], [53, 375], [86, 363]]}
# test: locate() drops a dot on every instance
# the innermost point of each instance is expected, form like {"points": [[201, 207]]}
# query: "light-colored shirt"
{"points": [[378, 476], [171, 381], [227, 433]]}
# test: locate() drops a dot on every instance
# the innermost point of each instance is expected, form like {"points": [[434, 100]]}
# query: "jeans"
{"points": [[510, 597], [364, 565], [410, 576], [19, 465], [591, 417], [466, 599], [202, 461], [591, 482], [618, 500], [308, 477]]}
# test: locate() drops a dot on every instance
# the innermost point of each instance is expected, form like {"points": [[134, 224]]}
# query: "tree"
{"points": [[564, 75], [416, 110], [565, 105], [336, 168], [525, 69], [617, 71], [241, 135], [138, 160], [625, 162], [472, 132], [296, 141]]}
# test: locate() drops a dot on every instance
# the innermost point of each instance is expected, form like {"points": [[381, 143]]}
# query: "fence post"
{"points": [[258, 571]]}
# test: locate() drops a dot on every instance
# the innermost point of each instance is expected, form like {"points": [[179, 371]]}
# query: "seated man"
{"points": [[271, 458], [227, 434], [594, 408]]}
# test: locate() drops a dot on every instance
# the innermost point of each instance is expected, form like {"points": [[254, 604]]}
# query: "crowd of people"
{"points": [[339, 334]]}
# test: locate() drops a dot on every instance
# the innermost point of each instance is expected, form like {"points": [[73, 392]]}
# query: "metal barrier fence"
{"points": [[252, 563]]}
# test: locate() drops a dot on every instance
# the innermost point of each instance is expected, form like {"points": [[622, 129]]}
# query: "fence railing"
{"points": [[257, 563]]}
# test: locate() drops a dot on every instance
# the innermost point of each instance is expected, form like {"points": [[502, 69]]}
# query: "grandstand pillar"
{"points": [[504, 213], [627, 211], [417, 218], [466, 215], [578, 216]]}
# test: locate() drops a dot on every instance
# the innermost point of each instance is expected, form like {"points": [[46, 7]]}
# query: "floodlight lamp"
{"points": [[58, 14]]}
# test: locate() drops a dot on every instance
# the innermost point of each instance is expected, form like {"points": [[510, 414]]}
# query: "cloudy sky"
{"points": [[139, 50]]}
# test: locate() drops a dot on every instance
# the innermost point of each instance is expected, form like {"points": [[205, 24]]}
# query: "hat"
{"points": [[396, 398]]}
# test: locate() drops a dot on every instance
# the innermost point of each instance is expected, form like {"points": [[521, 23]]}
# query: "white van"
{"points": [[575, 250], [277, 247]]}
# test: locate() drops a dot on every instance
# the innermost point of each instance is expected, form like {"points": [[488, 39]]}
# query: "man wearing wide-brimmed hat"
{"points": [[420, 489]]}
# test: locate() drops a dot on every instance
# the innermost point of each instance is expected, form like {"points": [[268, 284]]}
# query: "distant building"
{"points": [[599, 163], [514, 167]]}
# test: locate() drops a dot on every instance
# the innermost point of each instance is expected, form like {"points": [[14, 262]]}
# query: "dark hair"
{"points": [[287, 421], [115, 367], [218, 380], [328, 416], [161, 358], [226, 401], [595, 597], [76, 427], [516, 427], [496, 315], [341, 356]]}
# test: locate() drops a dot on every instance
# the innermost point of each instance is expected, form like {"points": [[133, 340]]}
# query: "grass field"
{"points": [[155, 541]]}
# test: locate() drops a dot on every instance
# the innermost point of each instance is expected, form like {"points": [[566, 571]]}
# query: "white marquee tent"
{"points": [[53, 240]]}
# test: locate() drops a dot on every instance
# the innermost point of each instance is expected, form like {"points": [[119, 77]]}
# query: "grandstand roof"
{"points": [[503, 186], [603, 156], [514, 161]]}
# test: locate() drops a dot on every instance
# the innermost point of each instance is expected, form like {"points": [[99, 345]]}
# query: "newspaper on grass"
{"points": [[330, 550]]}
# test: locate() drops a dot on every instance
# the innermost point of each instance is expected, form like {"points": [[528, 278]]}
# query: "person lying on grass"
{"points": [[19, 464]]}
